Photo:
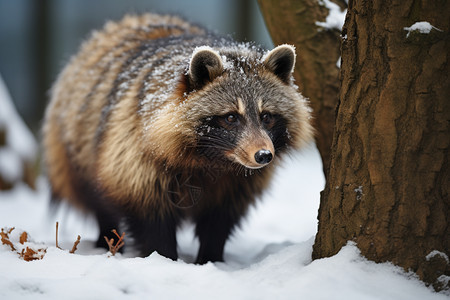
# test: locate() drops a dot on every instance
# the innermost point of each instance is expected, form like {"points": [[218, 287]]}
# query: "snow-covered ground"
{"points": [[268, 258]]}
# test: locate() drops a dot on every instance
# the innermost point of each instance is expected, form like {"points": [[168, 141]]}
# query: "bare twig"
{"points": [[5, 238], [23, 237], [119, 244], [57, 245], [74, 248], [27, 254], [75, 244]]}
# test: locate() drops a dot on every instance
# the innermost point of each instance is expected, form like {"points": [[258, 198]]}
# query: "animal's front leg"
{"points": [[213, 227]]}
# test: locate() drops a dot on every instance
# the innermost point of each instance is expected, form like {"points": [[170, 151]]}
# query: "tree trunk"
{"points": [[316, 73], [389, 181]]}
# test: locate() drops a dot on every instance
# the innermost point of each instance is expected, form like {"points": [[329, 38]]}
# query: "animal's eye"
{"points": [[267, 118], [231, 119]]}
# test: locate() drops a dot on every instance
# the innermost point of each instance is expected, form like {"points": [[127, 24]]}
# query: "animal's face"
{"points": [[244, 110], [243, 128]]}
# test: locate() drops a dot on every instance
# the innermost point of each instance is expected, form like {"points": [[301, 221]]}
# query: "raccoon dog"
{"points": [[156, 120]]}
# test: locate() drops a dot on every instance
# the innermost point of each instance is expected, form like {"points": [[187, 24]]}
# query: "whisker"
{"points": [[213, 147]]}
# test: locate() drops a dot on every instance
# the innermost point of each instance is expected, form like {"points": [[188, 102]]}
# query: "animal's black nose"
{"points": [[263, 157]]}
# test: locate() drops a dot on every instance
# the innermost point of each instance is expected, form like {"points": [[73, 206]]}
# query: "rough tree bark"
{"points": [[316, 73], [388, 186]]}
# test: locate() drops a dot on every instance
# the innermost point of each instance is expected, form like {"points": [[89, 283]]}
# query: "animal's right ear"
{"points": [[280, 61], [206, 64]]}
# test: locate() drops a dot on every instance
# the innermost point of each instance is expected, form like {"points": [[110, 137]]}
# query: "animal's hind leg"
{"points": [[106, 214], [154, 234], [107, 222]]}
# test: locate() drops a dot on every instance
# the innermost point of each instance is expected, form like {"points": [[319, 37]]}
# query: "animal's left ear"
{"points": [[281, 61]]}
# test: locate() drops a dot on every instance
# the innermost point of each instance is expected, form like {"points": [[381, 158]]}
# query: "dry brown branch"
{"points": [[119, 244], [23, 237], [57, 245], [27, 254], [74, 248], [5, 238], [75, 244]]}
